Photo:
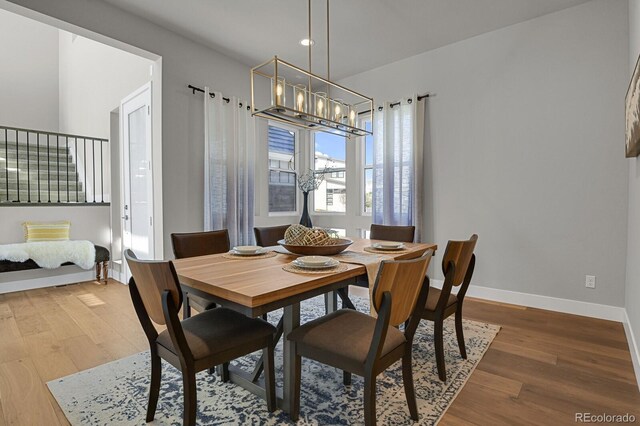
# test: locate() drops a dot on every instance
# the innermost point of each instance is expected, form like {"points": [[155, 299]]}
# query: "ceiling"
{"points": [[365, 34]]}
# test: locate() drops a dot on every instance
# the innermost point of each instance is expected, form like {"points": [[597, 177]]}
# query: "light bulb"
{"points": [[279, 89], [300, 101], [352, 118], [320, 107]]}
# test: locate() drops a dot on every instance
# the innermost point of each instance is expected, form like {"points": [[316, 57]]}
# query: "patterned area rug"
{"points": [[116, 393]]}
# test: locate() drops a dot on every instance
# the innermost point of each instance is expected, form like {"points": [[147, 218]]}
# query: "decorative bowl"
{"points": [[247, 249], [340, 246]]}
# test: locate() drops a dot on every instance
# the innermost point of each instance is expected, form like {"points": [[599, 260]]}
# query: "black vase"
{"points": [[305, 220]]}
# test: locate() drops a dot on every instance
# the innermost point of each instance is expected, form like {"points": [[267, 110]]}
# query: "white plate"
{"points": [[255, 253], [247, 249], [331, 264], [379, 246], [314, 260]]}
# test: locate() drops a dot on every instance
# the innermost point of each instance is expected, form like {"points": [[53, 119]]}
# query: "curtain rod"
{"points": [[420, 97], [213, 95], [227, 100]]}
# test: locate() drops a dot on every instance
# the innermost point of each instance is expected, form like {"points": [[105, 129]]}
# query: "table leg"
{"points": [[290, 320], [330, 302]]}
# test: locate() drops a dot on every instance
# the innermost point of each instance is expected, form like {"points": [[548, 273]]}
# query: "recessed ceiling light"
{"points": [[307, 42]]}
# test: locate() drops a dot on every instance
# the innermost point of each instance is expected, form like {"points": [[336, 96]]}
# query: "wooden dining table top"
{"points": [[255, 282]]}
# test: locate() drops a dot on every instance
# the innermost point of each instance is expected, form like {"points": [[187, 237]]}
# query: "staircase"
{"points": [[36, 174]]}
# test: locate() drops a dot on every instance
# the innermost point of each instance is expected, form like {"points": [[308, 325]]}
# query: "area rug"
{"points": [[117, 392]]}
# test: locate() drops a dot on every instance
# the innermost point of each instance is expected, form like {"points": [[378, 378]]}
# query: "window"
{"points": [[368, 170], [330, 153], [282, 170]]}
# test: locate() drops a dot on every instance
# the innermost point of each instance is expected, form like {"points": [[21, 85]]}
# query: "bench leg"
{"points": [[105, 271], [97, 271]]}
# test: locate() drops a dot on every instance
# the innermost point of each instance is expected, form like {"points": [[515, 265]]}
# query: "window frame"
{"points": [[312, 163], [363, 166], [296, 168]]}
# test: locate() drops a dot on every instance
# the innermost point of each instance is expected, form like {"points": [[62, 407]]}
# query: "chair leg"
{"points": [[269, 377], [224, 372], [154, 387], [346, 378], [264, 317], [186, 306], [407, 379], [190, 398], [439, 346], [460, 334], [369, 400], [295, 398]]}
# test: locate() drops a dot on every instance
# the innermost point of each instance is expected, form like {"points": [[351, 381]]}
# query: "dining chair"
{"points": [[192, 244], [269, 236], [213, 337], [401, 234], [458, 264], [361, 344]]}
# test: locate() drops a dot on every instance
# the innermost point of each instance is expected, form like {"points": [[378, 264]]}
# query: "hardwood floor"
{"points": [[542, 368]]}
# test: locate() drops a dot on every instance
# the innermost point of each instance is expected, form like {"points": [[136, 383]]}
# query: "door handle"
{"points": [[125, 217]]}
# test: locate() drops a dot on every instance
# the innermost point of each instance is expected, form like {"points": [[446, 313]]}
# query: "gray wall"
{"points": [[633, 236], [183, 62], [28, 74], [524, 147]]}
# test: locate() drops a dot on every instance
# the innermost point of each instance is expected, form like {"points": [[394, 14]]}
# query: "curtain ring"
{"points": [[409, 100], [240, 105], [213, 95], [379, 108], [226, 100]]}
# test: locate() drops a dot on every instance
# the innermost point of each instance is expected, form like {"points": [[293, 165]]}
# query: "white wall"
{"points": [[87, 223], [28, 73], [633, 236], [94, 78], [183, 62], [524, 147]]}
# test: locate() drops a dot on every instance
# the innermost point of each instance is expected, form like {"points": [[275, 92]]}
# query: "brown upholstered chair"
{"points": [[402, 234], [361, 344], [457, 264], [269, 236], [192, 244], [213, 337]]}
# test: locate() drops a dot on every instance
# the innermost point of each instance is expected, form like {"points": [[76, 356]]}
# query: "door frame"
{"points": [[124, 153]]}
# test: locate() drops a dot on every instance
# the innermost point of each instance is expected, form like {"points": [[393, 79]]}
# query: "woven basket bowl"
{"points": [[340, 245]]}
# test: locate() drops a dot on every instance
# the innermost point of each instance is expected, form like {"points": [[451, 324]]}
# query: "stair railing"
{"points": [[76, 172]]}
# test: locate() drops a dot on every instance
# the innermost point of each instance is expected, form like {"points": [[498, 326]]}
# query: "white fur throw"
{"points": [[51, 254]]}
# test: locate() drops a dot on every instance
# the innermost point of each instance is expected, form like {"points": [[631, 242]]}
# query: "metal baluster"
{"points": [[48, 169], [6, 160], [93, 167], [66, 152], [58, 164], [84, 167], [101, 172], [17, 167], [28, 171], [38, 160], [77, 175]]}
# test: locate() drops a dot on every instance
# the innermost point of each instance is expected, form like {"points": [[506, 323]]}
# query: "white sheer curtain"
{"points": [[398, 180], [229, 164]]}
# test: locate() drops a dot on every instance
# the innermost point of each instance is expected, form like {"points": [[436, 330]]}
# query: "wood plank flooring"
{"points": [[542, 368]]}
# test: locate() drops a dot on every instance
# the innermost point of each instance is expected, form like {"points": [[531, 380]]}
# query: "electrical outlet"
{"points": [[590, 281]]}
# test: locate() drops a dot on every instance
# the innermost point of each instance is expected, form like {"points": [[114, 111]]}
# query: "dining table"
{"points": [[257, 286]]}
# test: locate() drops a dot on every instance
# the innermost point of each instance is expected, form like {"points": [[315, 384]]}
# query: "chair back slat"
{"points": [[152, 278], [401, 234], [403, 279], [269, 236], [192, 244], [460, 253]]}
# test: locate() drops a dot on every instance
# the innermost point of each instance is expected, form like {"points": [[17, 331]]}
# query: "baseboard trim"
{"points": [[633, 347], [43, 282], [567, 306], [116, 275]]}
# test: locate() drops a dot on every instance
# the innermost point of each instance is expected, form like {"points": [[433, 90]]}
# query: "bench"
{"points": [[102, 264]]}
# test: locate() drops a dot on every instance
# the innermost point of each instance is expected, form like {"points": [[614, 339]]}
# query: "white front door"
{"points": [[137, 180]]}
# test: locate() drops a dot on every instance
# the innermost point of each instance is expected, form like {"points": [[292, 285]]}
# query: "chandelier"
{"points": [[284, 92]]}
